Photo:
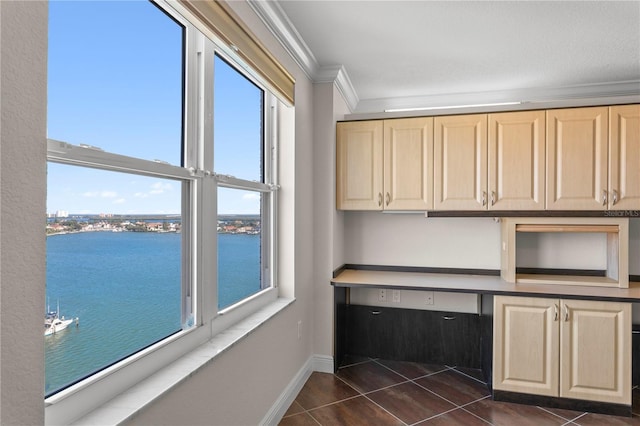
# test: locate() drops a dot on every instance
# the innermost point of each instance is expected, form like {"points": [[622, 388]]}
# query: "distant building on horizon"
{"points": [[62, 213]]}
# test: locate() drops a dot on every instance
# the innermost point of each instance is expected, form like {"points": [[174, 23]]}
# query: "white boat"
{"points": [[54, 323]]}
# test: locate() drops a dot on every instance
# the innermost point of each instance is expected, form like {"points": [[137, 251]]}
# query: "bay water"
{"points": [[125, 289]]}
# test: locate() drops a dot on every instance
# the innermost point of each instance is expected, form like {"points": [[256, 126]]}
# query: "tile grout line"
{"points": [[563, 418]]}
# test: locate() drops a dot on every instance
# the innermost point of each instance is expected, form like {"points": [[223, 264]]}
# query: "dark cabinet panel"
{"points": [[413, 335]]}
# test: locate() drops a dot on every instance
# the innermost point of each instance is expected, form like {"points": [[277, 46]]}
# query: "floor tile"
{"points": [[369, 376], [294, 408], [472, 372], [410, 403], [509, 414], [458, 417], [323, 388], [354, 412], [454, 387], [301, 419], [565, 414], [412, 370], [591, 419], [353, 359]]}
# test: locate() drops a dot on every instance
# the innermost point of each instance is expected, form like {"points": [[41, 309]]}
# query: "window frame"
{"points": [[199, 199]]}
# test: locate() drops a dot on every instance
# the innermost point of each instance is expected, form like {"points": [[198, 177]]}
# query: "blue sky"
{"points": [[115, 82]]}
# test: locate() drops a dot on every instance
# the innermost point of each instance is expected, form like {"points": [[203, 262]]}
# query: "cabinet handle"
{"points": [[493, 198], [379, 199], [555, 312], [388, 198], [375, 312], [448, 318], [604, 197], [615, 197], [484, 198], [566, 313]]}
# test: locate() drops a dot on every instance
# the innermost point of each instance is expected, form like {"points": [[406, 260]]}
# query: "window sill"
{"points": [[129, 403]]}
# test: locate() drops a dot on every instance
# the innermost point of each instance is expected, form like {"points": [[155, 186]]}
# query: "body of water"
{"points": [[125, 288]]}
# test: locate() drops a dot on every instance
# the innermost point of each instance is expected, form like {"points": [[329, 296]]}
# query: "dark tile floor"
{"points": [[377, 392]]}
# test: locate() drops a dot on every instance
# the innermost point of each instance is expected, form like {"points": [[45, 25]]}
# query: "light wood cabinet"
{"points": [[516, 161], [577, 155], [460, 153], [385, 165], [624, 157], [499, 169], [359, 151], [408, 164], [563, 348]]}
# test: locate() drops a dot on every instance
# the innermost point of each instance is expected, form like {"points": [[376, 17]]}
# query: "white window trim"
{"points": [[119, 391]]}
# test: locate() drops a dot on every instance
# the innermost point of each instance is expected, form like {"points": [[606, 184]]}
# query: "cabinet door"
{"points": [[577, 142], [624, 158], [359, 151], [460, 154], [596, 351], [408, 164], [525, 345], [516, 160]]}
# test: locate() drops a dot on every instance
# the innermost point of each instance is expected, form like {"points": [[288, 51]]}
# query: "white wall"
{"points": [[413, 240], [23, 47]]}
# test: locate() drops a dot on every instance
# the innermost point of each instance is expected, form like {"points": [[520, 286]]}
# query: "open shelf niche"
{"points": [[615, 229]]}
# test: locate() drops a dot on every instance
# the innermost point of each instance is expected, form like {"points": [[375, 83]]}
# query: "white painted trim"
{"points": [[323, 364], [319, 363], [337, 75], [277, 21]]}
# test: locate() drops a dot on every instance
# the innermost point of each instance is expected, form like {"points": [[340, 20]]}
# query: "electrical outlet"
{"points": [[429, 297], [395, 296], [382, 295]]}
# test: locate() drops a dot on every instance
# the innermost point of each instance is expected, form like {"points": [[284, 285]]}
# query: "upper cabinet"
{"points": [[408, 164], [359, 165], [460, 154], [516, 160], [577, 147], [498, 169], [624, 157], [385, 165], [560, 159]]}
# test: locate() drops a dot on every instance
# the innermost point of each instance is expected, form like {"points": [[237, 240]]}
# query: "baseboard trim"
{"points": [[319, 363]]}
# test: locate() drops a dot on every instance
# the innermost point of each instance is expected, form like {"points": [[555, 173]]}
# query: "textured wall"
{"points": [[23, 68]]}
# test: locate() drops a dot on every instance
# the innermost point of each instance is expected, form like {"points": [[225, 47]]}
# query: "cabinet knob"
{"points": [[388, 198], [493, 198], [614, 197], [484, 198], [604, 197], [379, 199], [375, 312], [555, 312], [566, 313], [448, 318]]}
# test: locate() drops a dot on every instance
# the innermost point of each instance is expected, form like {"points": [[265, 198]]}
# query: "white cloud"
{"points": [[108, 194], [160, 188], [90, 194], [119, 201], [251, 196]]}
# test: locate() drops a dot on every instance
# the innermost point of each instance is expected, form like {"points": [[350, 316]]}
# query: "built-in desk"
{"points": [[467, 342]]}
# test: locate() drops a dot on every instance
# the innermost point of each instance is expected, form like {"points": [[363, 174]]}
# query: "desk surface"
{"points": [[480, 284]]}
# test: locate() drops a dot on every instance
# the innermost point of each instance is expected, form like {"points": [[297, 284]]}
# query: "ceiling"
{"points": [[403, 54]]}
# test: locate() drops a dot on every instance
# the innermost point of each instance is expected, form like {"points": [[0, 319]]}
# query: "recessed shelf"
{"points": [[616, 234]]}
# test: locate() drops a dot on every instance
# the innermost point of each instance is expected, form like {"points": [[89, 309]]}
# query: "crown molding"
{"points": [[277, 21], [530, 98], [285, 32]]}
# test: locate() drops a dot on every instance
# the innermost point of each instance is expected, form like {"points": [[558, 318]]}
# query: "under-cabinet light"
{"points": [[451, 107]]}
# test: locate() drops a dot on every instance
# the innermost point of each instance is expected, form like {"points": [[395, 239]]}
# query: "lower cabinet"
{"points": [[575, 349], [432, 337]]}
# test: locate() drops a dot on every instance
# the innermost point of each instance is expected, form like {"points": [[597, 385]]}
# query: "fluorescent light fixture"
{"points": [[451, 107]]}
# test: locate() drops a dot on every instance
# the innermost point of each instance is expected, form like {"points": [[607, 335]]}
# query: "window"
{"points": [[238, 106], [161, 191]]}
